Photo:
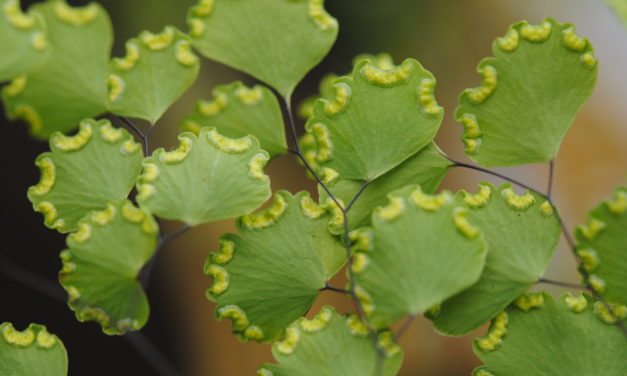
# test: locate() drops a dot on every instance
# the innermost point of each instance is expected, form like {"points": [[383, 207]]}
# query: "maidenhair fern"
{"points": [[462, 259]]}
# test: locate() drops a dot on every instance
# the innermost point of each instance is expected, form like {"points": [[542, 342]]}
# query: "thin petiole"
{"points": [[144, 275], [563, 284]]}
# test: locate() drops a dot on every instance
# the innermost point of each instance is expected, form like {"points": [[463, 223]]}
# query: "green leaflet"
{"points": [[620, 7], [84, 172], [421, 250], [63, 92], [24, 42], [531, 91], [156, 70], [331, 345], [101, 267], [601, 245], [237, 111], [539, 336], [264, 38], [206, 178], [426, 168], [522, 232], [33, 351], [362, 132], [271, 274]]}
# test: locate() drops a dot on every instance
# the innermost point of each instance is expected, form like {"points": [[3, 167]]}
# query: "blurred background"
{"points": [[448, 37]]}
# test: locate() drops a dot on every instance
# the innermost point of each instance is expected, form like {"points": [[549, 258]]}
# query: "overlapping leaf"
{"points": [[602, 246], [24, 42], [270, 275], [156, 70], [522, 232], [421, 250], [539, 336], [72, 85], [378, 119], [32, 351], [332, 345], [264, 38], [101, 267], [84, 172], [532, 89], [206, 178], [620, 7], [426, 168], [237, 111]]}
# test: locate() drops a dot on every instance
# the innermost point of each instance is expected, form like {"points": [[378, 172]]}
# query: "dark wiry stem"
{"points": [[148, 350], [335, 289], [408, 321], [549, 190], [493, 173], [563, 284], [144, 275], [372, 333]]}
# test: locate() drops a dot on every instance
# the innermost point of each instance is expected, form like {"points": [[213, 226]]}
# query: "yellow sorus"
{"points": [[546, 209], [45, 339], [386, 343], [249, 96], [76, 142], [518, 202], [132, 56], [597, 283], [39, 41], [48, 177], [104, 216], [116, 86], [526, 302], [536, 33], [471, 126], [387, 77], [488, 85], [254, 332], [83, 234], [318, 322], [360, 262], [356, 326], [322, 19], [95, 314], [179, 154], [461, 223], [236, 315], [392, 210], [75, 16], [426, 97], [323, 140], [592, 229], [132, 213], [16, 86], [109, 133], [288, 344], [310, 208], [509, 42], [16, 17], [576, 304], [589, 259], [15, 337], [229, 145], [156, 42], [184, 53], [227, 250], [572, 41], [609, 316], [494, 338], [256, 165], [429, 202], [266, 217], [220, 279], [366, 301], [212, 108], [589, 60], [619, 205], [480, 198], [342, 98]]}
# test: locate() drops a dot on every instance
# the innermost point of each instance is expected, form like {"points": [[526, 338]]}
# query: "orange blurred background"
{"points": [[449, 38]]}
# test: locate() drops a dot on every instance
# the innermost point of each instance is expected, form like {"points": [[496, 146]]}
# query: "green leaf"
{"points": [[332, 345], [270, 276], [237, 111], [84, 172], [206, 178], [531, 92], [547, 338], [601, 245], [156, 70], [620, 7], [72, 85], [421, 250], [264, 38], [426, 168], [362, 133], [522, 233], [24, 42], [101, 267], [33, 351]]}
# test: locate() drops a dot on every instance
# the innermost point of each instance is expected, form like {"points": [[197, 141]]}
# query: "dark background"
{"points": [[448, 37]]}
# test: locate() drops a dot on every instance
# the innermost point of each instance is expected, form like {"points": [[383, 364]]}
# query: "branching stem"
{"points": [[563, 284], [144, 275]]}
